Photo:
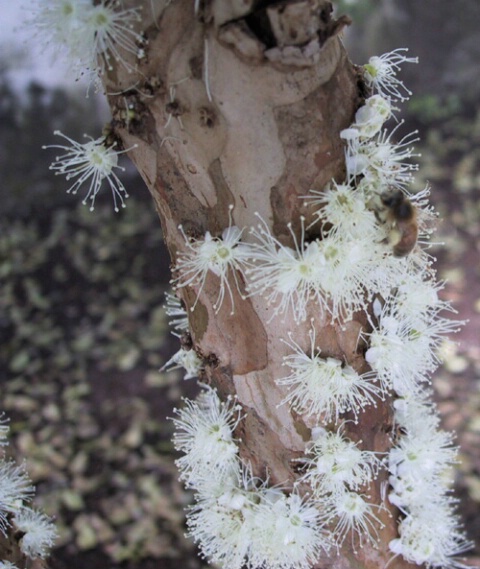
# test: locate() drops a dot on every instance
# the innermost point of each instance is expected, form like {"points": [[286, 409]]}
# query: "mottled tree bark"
{"points": [[10, 550], [242, 103]]}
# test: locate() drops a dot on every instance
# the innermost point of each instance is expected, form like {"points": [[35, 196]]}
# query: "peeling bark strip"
{"points": [[242, 103]]}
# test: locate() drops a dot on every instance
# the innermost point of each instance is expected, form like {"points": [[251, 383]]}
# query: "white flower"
{"points": [[7, 565], [355, 516], [323, 386], [382, 162], [416, 415], [186, 359], [352, 270], [223, 256], [369, 118], [402, 356], [404, 349], [15, 487], [111, 29], [416, 298], [418, 464], [223, 534], [60, 24], [90, 163], [88, 34], [345, 208], [422, 457], [222, 521], [39, 532], [289, 534], [204, 433], [408, 493], [433, 537], [286, 277], [337, 464], [381, 74], [239, 521], [421, 454], [430, 533], [338, 272], [179, 317], [341, 273]]}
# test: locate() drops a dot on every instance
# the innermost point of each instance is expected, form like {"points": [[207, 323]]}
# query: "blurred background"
{"points": [[82, 329]]}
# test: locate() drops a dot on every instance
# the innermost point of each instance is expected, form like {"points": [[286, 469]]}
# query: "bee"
{"points": [[396, 210]]}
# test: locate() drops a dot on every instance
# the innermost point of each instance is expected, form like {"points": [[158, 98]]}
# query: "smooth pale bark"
{"points": [[240, 106]]}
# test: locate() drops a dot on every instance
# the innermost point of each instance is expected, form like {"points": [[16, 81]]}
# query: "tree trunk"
{"points": [[242, 104]]}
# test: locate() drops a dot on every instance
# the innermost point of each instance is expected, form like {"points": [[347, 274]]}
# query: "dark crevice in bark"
{"points": [[274, 25], [259, 24]]}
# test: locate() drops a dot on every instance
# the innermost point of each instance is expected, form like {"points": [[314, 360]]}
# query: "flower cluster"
{"points": [[430, 533], [368, 253], [204, 433], [404, 345], [15, 487], [351, 261], [237, 519], [381, 162], [338, 272], [337, 471], [94, 36], [36, 530]]}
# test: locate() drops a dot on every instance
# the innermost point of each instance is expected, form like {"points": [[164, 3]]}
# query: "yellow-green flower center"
{"points": [[223, 253], [370, 69]]}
